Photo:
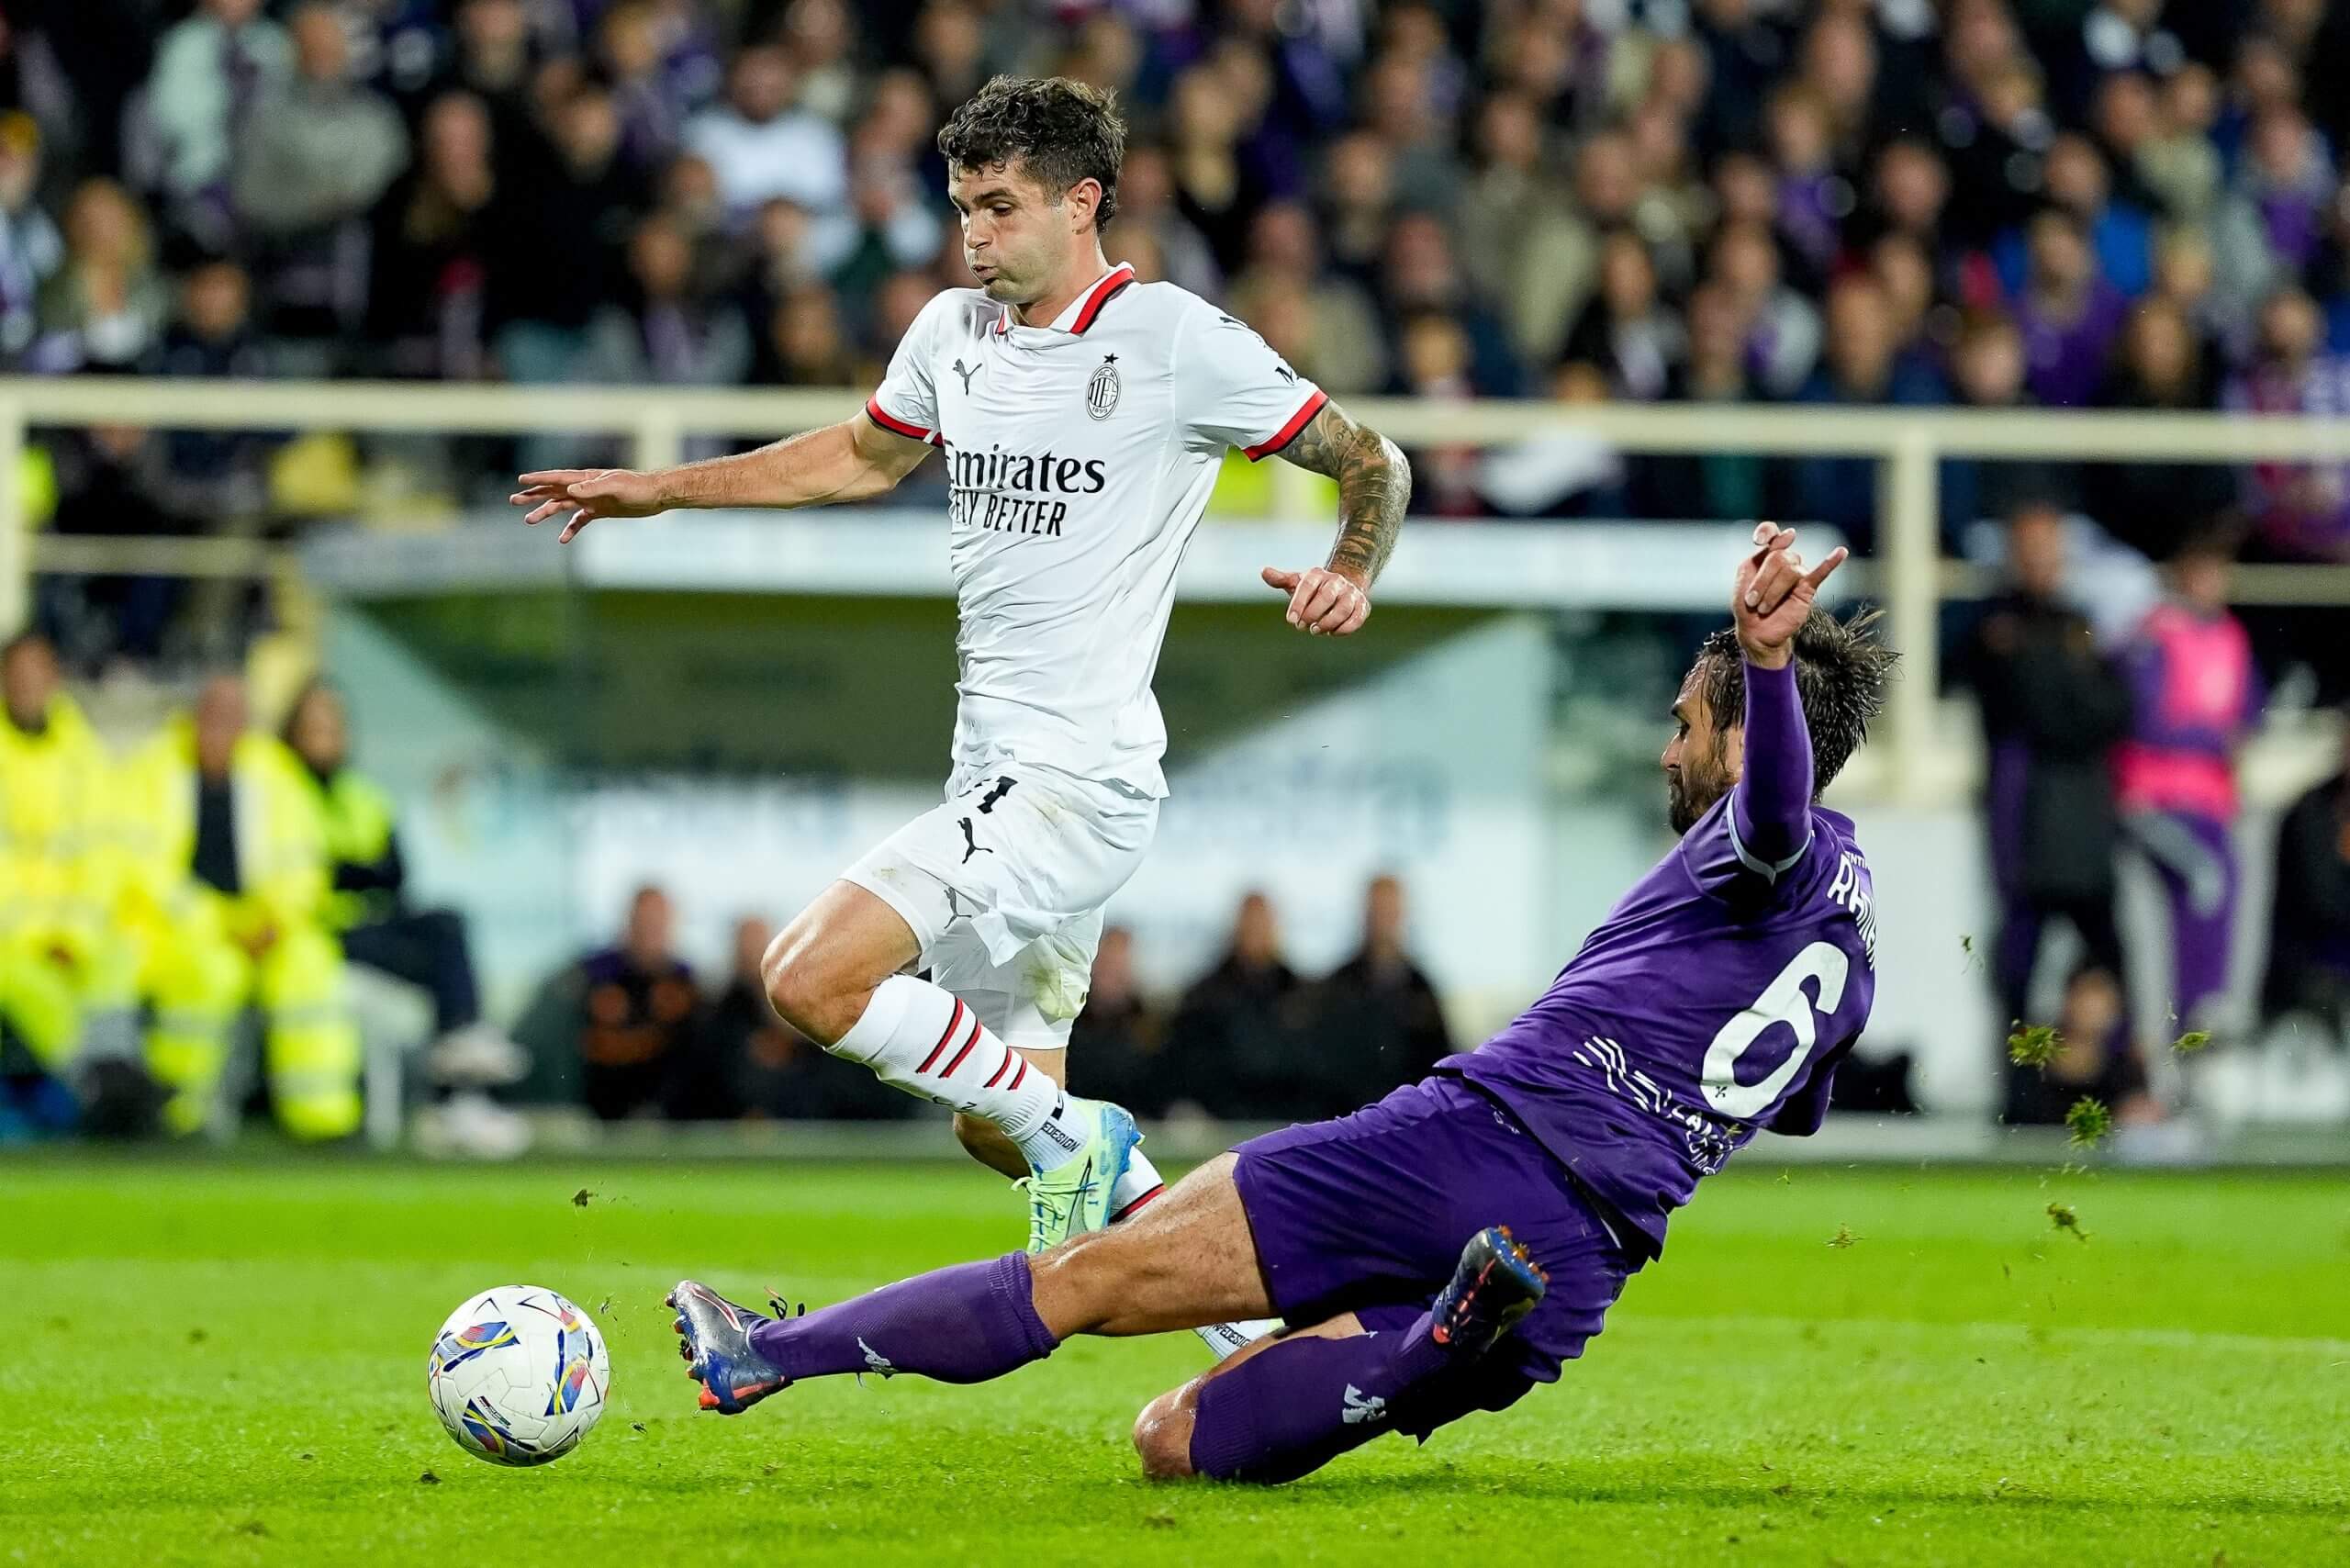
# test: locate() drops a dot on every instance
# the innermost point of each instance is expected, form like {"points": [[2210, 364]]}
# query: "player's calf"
{"points": [[1290, 1408]]}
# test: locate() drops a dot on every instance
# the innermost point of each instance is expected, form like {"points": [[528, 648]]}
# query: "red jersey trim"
{"points": [[896, 426], [1112, 282], [1102, 293], [1288, 432]]}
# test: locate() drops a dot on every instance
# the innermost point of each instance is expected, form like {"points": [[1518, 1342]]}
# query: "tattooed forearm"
{"points": [[1374, 486]]}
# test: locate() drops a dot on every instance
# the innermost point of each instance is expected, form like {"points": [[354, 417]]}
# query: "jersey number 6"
{"points": [[1781, 1002]]}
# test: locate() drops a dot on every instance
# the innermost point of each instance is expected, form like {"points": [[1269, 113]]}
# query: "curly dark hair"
{"points": [[1059, 130], [1841, 671]]}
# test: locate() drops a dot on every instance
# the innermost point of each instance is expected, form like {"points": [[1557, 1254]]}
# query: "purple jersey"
{"points": [[1715, 999]]}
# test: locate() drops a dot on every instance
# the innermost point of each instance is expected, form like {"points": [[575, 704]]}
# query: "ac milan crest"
{"points": [[1101, 392]]}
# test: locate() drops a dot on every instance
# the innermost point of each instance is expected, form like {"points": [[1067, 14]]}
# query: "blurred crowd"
{"points": [[195, 902], [630, 1030], [2112, 724], [207, 886], [1998, 204]]}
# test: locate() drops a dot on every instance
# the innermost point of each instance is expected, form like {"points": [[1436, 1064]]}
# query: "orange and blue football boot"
{"points": [[714, 1338], [1497, 1283]]}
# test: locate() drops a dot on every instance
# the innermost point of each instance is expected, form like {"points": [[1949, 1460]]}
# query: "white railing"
{"points": [[1908, 443]]}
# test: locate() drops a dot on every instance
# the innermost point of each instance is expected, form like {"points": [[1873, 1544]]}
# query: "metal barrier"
{"points": [[1908, 443]]}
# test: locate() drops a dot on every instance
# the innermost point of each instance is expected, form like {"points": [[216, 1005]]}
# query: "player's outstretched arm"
{"points": [[1771, 807], [1374, 486], [847, 461]]}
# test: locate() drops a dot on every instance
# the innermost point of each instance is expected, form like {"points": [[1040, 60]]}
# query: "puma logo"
{"points": [[1003, 787], [971, 845], [1286, 373], [880, 1364], [966, 375], [1361, 1409]]}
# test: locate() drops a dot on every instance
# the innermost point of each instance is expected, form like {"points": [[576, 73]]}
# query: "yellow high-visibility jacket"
{"points": [[282, 866], [55, 867], [360, 823]]}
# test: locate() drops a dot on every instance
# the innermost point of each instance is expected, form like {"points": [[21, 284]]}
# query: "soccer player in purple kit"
{"points": [[1715, 1001]]}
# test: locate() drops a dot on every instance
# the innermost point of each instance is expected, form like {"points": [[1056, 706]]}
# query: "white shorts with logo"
{"points": [[1004, 886]]}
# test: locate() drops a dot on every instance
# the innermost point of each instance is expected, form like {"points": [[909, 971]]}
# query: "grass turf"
{"points": [[225, 1364]]}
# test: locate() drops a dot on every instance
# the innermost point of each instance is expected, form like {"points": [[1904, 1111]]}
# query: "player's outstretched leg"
{"points": [[1187, 1259], [1290, 1407]]}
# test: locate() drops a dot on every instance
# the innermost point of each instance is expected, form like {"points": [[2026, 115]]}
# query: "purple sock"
{"points": [[1292, 1408], [966, 1324]]}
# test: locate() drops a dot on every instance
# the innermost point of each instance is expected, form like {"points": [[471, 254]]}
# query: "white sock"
{"points": [[1227, 1338], [1140, 1182], [923, 1040]]}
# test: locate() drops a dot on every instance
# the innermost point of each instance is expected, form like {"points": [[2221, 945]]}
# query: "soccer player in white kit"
{"points": [[1083, 417]]}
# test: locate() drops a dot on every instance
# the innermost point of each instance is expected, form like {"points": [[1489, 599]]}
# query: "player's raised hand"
{"points": [[1324, 602], [588, 494], [1774, 592]]}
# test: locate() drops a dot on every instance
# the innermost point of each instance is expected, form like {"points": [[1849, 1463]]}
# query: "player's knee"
{"points": [[1163, 1434], [804, 991]]}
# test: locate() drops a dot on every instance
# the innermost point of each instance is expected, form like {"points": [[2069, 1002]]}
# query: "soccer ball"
{"points": [[518, 1375]]}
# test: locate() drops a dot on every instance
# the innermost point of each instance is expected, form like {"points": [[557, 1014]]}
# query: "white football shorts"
{"points": [[1004, 886]]}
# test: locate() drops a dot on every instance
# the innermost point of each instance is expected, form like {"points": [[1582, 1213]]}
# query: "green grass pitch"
{"points": [[225, 1364]]}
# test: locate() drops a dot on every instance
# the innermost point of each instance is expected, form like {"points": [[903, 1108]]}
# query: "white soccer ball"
{"points": [[518, 1375]]}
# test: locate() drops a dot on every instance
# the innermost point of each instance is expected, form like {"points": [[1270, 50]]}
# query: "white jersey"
{"points": [[1082, 456]]}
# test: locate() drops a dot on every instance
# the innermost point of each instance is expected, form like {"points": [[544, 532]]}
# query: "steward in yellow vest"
{"points": [[228, 884], [62, 965]]}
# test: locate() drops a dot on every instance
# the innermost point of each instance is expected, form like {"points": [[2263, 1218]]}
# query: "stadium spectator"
{"points": [[211, 72], [1712, 484], [1988, 370], [667, 334], [216, 474], [487, 56], [2197, 699], [113, 481], [429, 257], [1242, 1028], [1345, 350], [1863, 366], [311, 160], [104, 308], [2067, 312], [1522, 241], [1378, 1021], [2156, 506], [2309, 927], [2096, 1057], [639, 1010], [2052, 710], [805, 343], [2300, 510], [369, 907], [1783, 329], [65, 971], [1422, 275], [572, 196], [2273, 218], [744, 1060], [648, 99], [1146, 207], [1625, 332], [1119, 1045], [1215, 190], [893, 223], [230, 891], [31, 249], [762, 147]]}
